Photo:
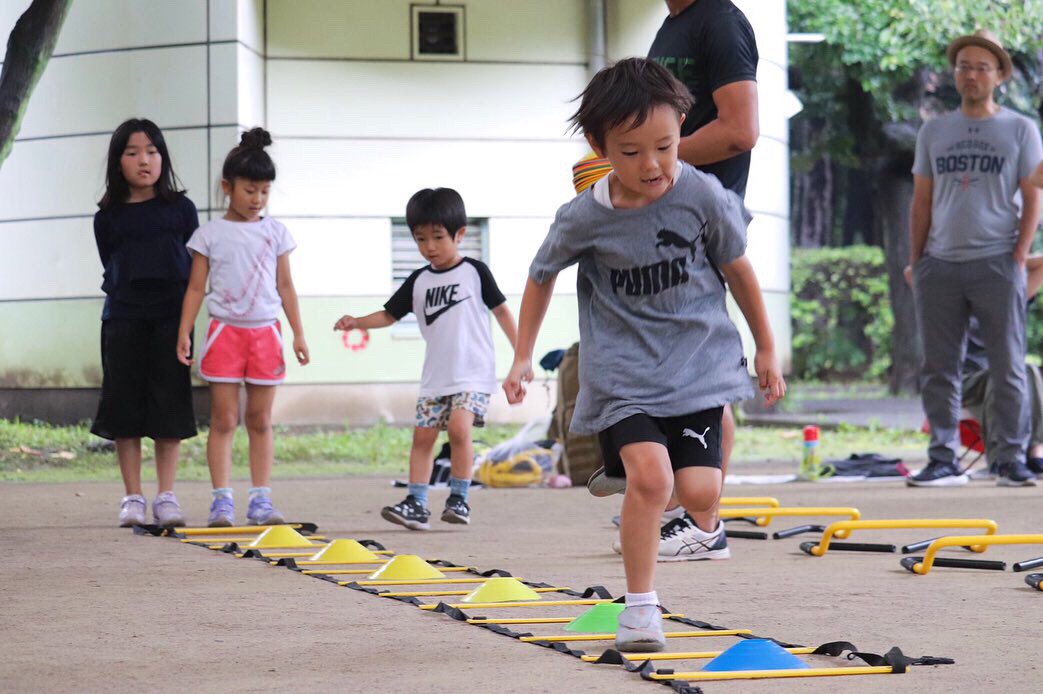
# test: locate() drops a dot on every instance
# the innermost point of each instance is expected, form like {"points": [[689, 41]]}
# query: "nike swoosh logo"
{"points": [[432, 317]]}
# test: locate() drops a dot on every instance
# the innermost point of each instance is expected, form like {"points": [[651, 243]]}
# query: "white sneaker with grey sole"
{"points": [[640, 629]]}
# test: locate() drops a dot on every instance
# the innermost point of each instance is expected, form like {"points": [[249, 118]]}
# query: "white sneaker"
{"points": [[683, 541], [640, 629], [132, 511]]}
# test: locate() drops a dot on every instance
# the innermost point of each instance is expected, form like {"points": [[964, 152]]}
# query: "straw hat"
{"points": [[983, 38]]}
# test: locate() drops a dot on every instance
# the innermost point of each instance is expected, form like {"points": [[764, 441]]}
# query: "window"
{"points": [[437, 32], [405, 259]]}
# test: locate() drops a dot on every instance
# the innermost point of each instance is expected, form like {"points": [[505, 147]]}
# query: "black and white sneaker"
{"points": [[1015, 475], [682, 540], [409, 513], [456, 510], [937, 474]]}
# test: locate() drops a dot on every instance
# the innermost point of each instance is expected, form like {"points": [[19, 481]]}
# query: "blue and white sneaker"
{"points": [[1015, 475], [640, 629], [222, 512], [261, 512], [682, 540]]}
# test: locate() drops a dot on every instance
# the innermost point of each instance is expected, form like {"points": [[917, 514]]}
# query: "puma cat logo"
{"points": [[675, 240], [688, 433]]}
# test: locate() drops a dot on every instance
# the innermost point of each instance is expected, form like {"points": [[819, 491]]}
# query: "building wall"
{"points": [[358, 128]]}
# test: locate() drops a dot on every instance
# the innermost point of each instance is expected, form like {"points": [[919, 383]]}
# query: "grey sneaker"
{"points": [[222, 512], [261, 512], [601, 484], [682, 540], [167, 511], [132, 511], [1015, 475], [640, 630]]}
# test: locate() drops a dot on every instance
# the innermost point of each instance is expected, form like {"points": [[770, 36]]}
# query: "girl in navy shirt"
{"points": [[141, 229]]}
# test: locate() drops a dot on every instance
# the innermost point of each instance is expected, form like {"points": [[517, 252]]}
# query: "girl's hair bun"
{"points": [[255, 138]]}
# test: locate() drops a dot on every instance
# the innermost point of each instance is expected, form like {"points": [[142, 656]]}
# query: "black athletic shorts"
{"points": [[146, 391], [692, 440]]}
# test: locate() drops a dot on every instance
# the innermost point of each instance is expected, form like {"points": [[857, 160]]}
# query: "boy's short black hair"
{"points": [[626, 92], [439, 206]]}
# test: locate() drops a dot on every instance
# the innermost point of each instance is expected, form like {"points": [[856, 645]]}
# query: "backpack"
{"points": [[582, 453]]}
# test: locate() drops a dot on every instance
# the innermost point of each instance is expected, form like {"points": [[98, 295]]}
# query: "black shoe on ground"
{"points": [[1035, 466], [456, 510], [409, 513], [937, 474], [1015, 475]]}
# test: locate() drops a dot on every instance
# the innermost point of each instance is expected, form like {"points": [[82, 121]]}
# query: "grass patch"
{"points": [[35, 452]]}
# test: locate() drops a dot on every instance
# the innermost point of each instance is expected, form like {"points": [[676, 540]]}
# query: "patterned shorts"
{"points": [[433, 412]]}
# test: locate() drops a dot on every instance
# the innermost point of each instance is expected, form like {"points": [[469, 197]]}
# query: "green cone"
{"points": [[603, 618]]}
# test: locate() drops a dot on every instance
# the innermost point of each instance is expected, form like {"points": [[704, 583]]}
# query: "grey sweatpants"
{"points": [[946, 295], [979, 399]]}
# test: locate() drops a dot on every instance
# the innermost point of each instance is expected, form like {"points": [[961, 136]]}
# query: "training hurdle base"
{"points": [[819, 549], [922, 565]]}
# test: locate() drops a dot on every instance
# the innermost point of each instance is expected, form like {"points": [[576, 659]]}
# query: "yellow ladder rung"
{"points": [[366, 572], [693, 655], [433, 593], [700, 676], [612, 637], [233, 530], [504, 605], [426, 581], [539, 620]]}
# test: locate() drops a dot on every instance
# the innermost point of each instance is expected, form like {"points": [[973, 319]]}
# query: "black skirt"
{"points": [[146, 391]]}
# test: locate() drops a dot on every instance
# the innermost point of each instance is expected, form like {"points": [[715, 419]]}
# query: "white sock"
{"points": [[255, 492], [636, 599], [221, 491], [673, 514]]}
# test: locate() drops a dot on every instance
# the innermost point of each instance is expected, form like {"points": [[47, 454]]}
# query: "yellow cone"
{"points": [[346, 552], [504, 589], [280, 536], [406, 567]]}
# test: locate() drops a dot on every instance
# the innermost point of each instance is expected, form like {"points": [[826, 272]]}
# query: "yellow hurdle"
{"points": [[693, 655], [834, 529], [612, 637], [539, 620], [749, 501], [964, 540], [764, 516], [502, 605], [434, 593], [771, 674]]}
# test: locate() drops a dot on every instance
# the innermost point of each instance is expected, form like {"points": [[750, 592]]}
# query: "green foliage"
{"points": [[882, 44], [841, 314]]}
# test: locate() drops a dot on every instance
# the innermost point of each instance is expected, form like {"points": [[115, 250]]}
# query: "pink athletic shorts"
{"points": [[237, 355]]}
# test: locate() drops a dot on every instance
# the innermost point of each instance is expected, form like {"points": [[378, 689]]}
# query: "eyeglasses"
{"points": [[982, 68]]}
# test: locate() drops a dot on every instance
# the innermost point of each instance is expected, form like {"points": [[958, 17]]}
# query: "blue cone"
{"points": [[755, 654]]}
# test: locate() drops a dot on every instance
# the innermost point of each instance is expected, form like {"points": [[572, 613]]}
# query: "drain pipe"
{"points": [[595, 36]]}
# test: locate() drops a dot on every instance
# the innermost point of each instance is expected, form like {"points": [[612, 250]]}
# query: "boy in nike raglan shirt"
{"points": [[451, 298], [659, 357]]}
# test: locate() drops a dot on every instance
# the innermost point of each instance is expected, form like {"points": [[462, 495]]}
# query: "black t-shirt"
{"points": [[710, 44], [142, 248]]}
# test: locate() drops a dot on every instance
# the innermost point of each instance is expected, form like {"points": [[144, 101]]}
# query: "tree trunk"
{"points": [[28, 49], [891, 199], [812, 202]]}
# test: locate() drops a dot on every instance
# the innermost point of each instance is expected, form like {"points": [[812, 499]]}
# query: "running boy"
{"points": [[660, 356], [449, 297]]}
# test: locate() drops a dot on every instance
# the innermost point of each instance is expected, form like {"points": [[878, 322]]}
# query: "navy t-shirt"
{"points": [[707, 46], [142, 248]]}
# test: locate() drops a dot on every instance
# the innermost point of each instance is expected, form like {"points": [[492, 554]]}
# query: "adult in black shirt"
{"points": [[709, 45]]}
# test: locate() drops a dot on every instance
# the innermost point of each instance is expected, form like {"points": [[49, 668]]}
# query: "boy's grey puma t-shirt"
{"points": [[656, 337]]}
